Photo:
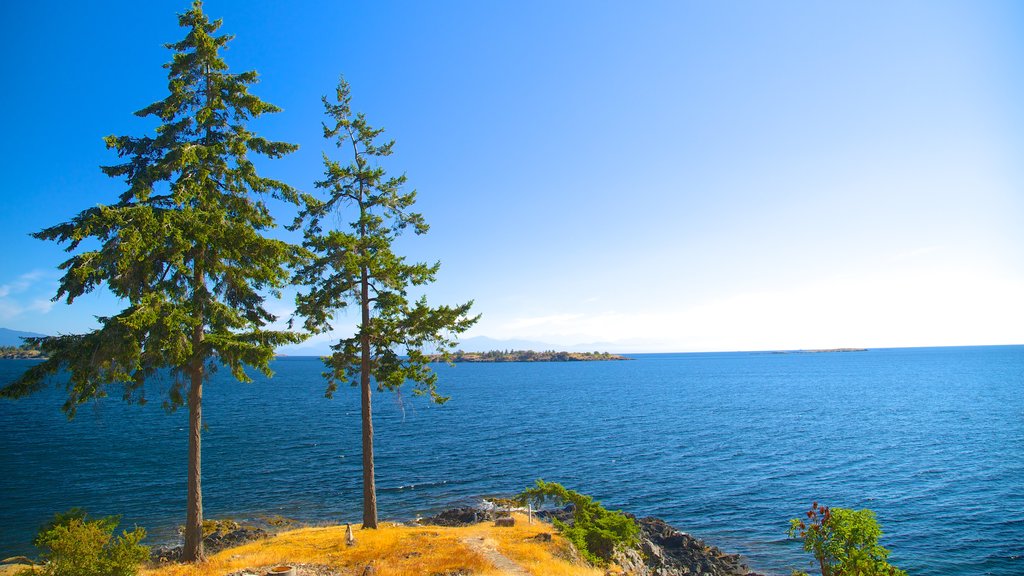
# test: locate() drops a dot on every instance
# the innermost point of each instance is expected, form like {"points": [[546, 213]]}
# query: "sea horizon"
{"points": [[726, 446]]}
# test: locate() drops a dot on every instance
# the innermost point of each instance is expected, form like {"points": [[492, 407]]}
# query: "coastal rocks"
{"points": [[463, 516], [665, 551], [220, 540], [165, 554], [661, 551], [214, 542], [563, 515], [498, 510]]}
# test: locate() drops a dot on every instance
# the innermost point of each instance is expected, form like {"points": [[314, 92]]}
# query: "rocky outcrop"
{"points": [[489, 511], [560, 514], [665, 551], [661, 551], [212, 543], [464, 516]]}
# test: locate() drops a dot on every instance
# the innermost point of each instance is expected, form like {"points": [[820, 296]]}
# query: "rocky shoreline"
{"points": [[666, 551], [662, 550], [222, 534], [214, 542]]}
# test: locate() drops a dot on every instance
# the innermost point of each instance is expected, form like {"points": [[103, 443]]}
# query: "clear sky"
{"points": [[650, 176]]}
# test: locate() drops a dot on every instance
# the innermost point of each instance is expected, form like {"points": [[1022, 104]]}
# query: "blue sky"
{"points": [[650, 176]]}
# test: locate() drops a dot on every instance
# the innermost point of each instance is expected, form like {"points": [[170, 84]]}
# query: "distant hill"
{"points": [[10, 337]]}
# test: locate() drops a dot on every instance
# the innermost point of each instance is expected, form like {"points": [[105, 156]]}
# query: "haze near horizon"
{"points": [[655, 177]]}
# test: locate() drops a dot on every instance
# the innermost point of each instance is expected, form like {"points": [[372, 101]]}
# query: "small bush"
{"points": [[844, 542], [74, 545], [595, 531]]}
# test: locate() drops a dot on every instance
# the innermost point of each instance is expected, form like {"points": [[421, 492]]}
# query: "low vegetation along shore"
{"points": [[578, 537], [458, 542]]}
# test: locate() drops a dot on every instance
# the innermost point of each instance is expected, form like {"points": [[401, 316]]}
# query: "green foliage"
{"points": [[74, 545], [183, 247], [844, 542], [358, 266], [183, 244], [595, 531]]}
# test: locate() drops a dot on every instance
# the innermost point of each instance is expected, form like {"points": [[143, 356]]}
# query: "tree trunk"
{"points": [[369, 484], [193, 550]]}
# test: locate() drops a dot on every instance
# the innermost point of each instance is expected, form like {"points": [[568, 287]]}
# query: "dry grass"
{"points": [[399, 551]]}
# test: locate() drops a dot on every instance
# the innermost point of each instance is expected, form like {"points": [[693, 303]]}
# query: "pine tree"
{"points": [[183, 247], [357, 266]]}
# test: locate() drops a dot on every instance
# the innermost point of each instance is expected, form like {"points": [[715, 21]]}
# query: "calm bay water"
{"points": [[726, 446]]}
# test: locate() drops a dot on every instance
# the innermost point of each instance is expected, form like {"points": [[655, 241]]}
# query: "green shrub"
{"points": [[74, 545], [844, 542], [595, 531]]}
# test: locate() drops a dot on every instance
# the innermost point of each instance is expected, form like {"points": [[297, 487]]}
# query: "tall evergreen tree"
{"points": [[357, 266], [183, 247]]}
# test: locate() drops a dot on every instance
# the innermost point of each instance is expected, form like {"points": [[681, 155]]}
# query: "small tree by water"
{"points": [[595, 531], [844, 542]]}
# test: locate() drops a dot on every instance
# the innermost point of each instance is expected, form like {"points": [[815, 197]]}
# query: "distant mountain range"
{"points": [[10, 337]]}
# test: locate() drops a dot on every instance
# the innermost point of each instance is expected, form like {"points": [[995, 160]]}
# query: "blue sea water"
{"points": [[726, 446]]}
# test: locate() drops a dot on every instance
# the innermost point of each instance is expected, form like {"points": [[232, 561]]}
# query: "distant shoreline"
{"points": [[15, 354], [528, 356]]}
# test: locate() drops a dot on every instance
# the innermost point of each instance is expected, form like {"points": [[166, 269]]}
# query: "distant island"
{"points": [[529, 356], [20, 352]]}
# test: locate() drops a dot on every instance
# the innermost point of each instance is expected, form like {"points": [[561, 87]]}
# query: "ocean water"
{"points": [[726, 446]]}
